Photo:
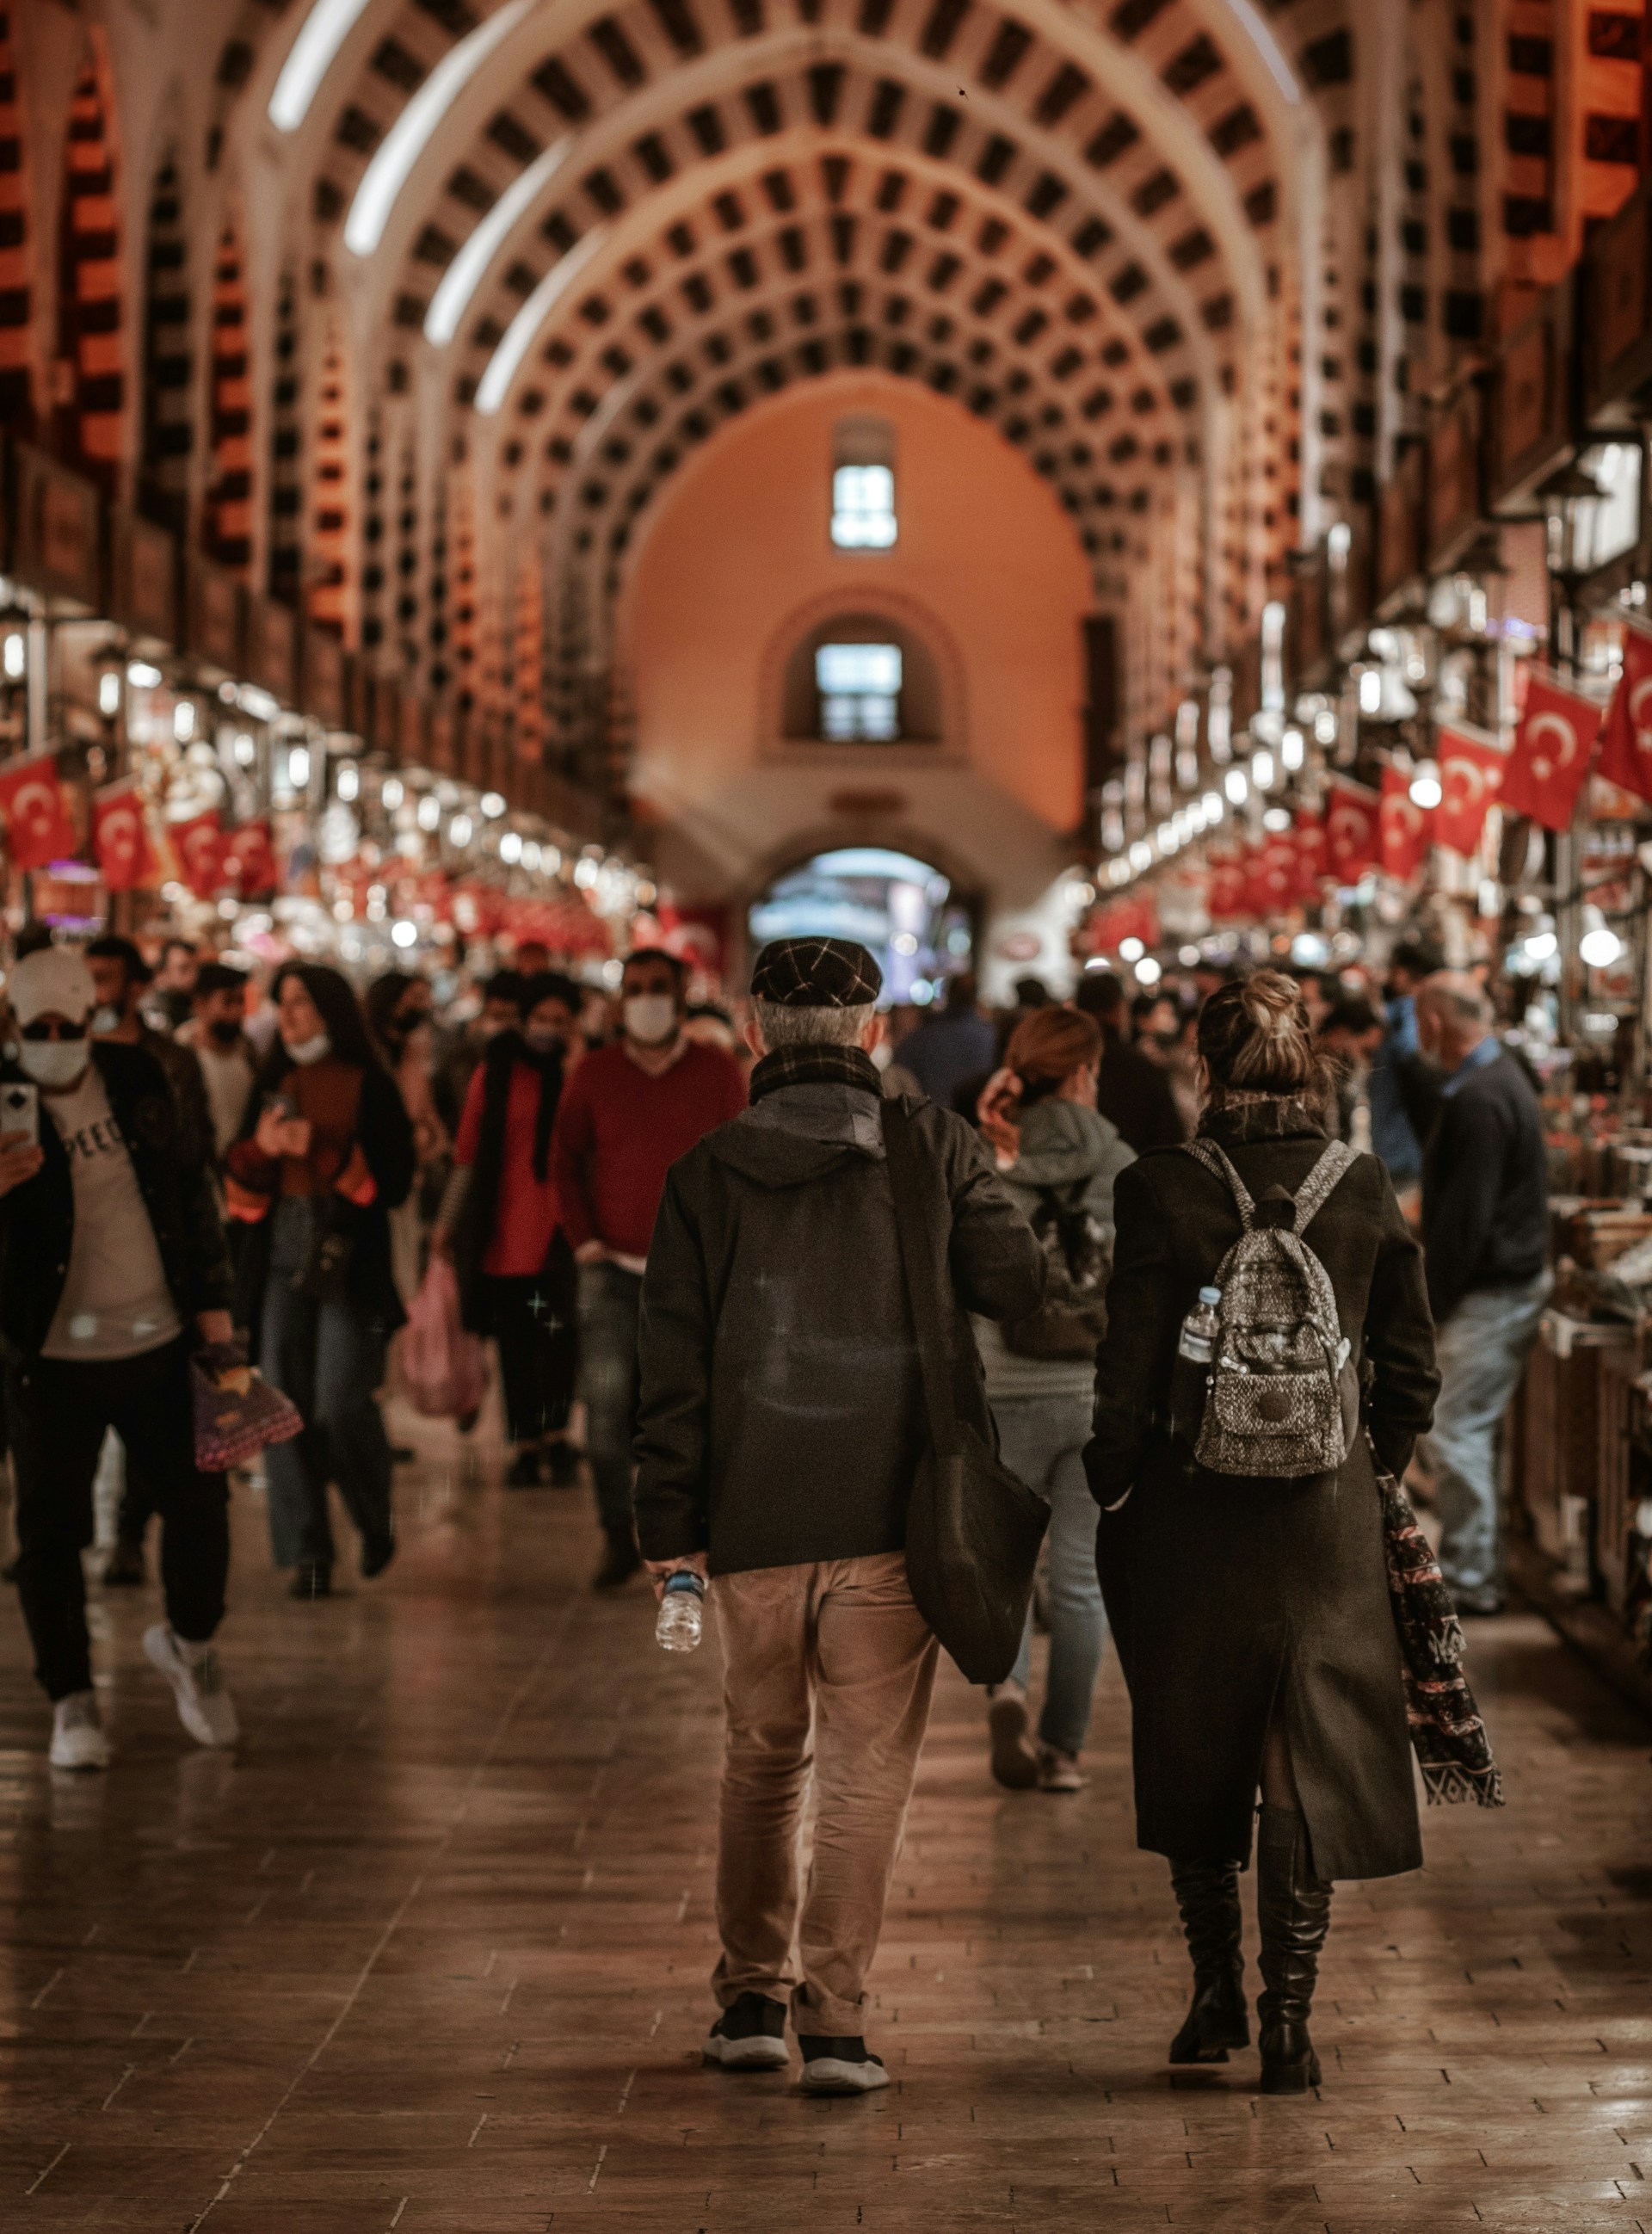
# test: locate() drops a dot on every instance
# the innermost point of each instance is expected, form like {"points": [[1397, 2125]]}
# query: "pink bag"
{"points": [[237, 1412], [444, 1369]]}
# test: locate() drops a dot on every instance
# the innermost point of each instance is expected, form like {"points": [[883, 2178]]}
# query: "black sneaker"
{"points": [[562, 1464], [377, 1551], [619, 1562], [840, 2066], [312, 1578], [749, 2035], [523, 1472], [124, 1570]]}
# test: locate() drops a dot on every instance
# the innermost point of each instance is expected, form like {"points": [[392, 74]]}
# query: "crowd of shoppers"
{"points": [[696, 1263]]}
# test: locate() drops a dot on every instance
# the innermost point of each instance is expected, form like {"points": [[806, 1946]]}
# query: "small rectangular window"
{"points": [[862, 508], [860, 686]]}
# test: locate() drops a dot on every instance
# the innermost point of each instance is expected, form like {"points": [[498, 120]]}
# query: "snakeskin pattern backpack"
{"points": [[1281, 1400]]}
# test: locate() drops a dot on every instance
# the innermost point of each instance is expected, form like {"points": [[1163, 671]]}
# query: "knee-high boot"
{"points": [[1294, 1909], [1207, 1894]]}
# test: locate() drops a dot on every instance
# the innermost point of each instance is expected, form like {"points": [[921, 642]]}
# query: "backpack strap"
{"points": [[1216, 1162], [1322, 1182]]}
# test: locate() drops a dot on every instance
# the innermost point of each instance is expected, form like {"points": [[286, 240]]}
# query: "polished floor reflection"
{"points": [[431, 1953]]}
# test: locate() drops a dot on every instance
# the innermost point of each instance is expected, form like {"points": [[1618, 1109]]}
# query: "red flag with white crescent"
{"points": [[1552, 750], [1273, 871], [1313, 855], [38, 829], [1471, 776], [1404, 829], [199, 846], [1351, 832], [1226, 898], [249, 861], [1626, 739], [120, 839]]}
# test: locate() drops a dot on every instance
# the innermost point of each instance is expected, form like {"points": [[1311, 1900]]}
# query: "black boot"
{"points": [[1294, 1909], [1207, 1894]]}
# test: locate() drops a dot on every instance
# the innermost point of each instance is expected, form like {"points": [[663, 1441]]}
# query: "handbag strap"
{"points": [[912, 1187]]}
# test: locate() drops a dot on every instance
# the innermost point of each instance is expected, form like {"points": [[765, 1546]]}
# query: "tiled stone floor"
{"points": [[431, 1952]]}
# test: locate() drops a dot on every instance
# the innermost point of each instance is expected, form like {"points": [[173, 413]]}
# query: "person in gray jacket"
{"points": [[1058, 1159]]}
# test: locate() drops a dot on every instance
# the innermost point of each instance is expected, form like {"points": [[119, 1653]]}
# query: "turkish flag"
{"points": [[1351, 832], [38, 829], [1471, 775], [120, 839], [249, 860], [199, 846], [1273, 872], [1626, 740], [1552, 748], [1227, 887], [1313, 855], [1404, 829]]}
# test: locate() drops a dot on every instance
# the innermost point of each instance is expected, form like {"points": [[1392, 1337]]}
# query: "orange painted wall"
{"points": [[741, 545]]}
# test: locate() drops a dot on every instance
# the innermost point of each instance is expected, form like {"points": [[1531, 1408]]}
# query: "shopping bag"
{"points": [[443, 1368], [237, 1412]]}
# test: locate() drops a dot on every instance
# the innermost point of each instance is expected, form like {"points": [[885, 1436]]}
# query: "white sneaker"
{"points": [[841, 2067], [204, 1708], [78, 1738]]}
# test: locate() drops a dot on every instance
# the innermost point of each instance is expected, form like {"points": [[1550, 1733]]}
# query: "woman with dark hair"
{"points": [[398, 1010], [1252, 1613], [1058, 1159], [327, 1154], [500, 1221]]}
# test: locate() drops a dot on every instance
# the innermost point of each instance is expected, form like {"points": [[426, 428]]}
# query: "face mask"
{"points": [[543, 1037], [307, 1051], [105, 1020], [54, 1062], [650, 1018], [226, 1030]]}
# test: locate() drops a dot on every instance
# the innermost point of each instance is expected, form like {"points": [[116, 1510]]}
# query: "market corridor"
{"points": [[431, 1953]]}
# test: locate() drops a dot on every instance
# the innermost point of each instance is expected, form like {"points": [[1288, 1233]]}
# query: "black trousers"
{"points": [[58, 1411], [536, 1324]]}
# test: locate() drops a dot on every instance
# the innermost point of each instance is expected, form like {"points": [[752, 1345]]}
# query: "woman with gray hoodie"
{"points": [[1058, 1159]]}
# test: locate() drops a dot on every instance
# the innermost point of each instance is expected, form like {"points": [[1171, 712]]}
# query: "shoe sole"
{"points": [[827, 2075], [1012, 1765], [760, 2053], [1292, 2078], [80, 1767], [202, 1731]]}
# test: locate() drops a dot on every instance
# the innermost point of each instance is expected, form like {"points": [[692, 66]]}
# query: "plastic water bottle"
{"points": [[682, 1622], [1200, 1329]]}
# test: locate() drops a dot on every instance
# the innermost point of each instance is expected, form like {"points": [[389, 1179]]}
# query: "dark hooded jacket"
{"points": [[781, 1417]]}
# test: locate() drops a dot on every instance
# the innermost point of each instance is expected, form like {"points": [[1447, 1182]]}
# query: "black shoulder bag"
{"points": [[973, 1528]]}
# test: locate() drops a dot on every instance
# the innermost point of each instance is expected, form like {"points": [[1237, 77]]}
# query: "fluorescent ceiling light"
{"points": [[468, 269], [506, 362], [311, 55], [413, 130]]}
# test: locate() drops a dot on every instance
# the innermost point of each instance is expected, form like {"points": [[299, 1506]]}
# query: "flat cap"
{"points": [[816, 973]]}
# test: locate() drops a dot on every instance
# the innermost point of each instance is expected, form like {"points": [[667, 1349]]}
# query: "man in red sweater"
{"points": [[627, 1113]]}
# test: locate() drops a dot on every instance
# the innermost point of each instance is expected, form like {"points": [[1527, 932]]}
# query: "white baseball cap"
{"points": [[54, 979]]}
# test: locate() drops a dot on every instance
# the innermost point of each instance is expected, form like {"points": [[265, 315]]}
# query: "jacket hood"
{"points": [[773, 1158], [1067, 1142]]}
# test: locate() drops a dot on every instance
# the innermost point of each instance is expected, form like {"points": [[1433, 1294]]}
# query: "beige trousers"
{"points": [[838, 1652]]}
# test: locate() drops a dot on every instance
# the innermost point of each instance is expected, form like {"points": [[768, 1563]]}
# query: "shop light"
{"points": [[1188, 956], [349, 781], [15, 657], [392, 794], [413, 130], [108, 693], [311, 55], [493, 805], [245, 749], [1262, 771], [403, 933], [530, 855], [298, 768], [1141, 856], [1600, 947], [550, 860], [1540, 945], [509, 849], [1370, 691], [468, 269], [1211, 803], [458, 830], [183, 720], [1276, 818], [430, 812], [1425, 786], [1237, 784], [1148, 971], [585, 874], [1325, 727], [1290, 751], [1131, 950], [142, 676]]}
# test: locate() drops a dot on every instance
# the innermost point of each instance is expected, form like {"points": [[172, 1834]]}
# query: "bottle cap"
{"points": [[1210, 1295]]}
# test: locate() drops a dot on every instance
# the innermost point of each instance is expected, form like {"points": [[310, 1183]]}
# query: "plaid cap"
{"points": [[816, 973]]}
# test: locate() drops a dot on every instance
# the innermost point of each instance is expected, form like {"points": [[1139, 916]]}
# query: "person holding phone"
{"points": [[113, 1267]]}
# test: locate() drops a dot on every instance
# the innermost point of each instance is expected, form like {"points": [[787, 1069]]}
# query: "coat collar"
{"points": [[1281, 1117]]}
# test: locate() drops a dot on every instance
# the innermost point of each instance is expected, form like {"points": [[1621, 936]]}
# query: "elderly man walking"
{"points": [[781, 1425], [1484, 1229]]}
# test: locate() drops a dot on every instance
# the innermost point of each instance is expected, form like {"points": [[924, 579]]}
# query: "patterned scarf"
{"points": [[1447, 1735], [814, 1066]]}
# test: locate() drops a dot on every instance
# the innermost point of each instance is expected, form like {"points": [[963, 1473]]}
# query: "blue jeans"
{"points": [[609, 1304], [329, 1359], [1481, 1349], [1042, 1440]]}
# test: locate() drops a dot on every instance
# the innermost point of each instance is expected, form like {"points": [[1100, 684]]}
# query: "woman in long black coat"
{"points": [[1251, 1616]]}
